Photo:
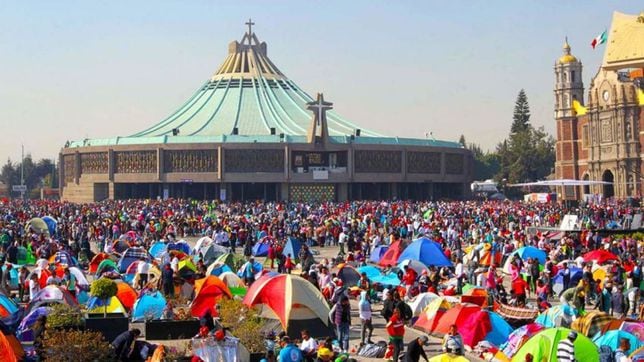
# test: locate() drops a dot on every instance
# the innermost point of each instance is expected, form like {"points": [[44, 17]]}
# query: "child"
{"points": [[288, 264]]}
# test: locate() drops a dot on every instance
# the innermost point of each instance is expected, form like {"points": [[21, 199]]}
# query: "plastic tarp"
{"points": [[543, 346], [426, 251], [378, 253], [391, 255], [148, 306], [208, 291], [375, 276]]}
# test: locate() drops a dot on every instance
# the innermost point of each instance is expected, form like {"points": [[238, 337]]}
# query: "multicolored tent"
{"points": [[211, 252], [201, 243], [96, 261], [7, 306], [292, 300], [575, 276], [208, 291], [24, 331], [130, 255], [426, 251], [234, 261], [591, 323], [556, 316], [234, 283], [421, 301], [217, 268], [612, 340], [518, 338], [157, 249], [418, 266], [543, 346], [429, 317], [391, 256], [292, 247], [486, 256], [52, 294], [38, 225], [63, 257], [98, 306], [180, 245], [148, 306]]}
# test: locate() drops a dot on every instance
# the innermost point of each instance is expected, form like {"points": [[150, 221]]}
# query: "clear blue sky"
{"points": [[76, 69]]}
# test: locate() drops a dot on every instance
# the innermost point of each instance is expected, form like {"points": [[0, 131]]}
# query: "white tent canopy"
{"points": [[561, 182]]}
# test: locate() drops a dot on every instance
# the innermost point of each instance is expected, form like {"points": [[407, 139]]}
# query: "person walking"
{"points": [[167, 280], [342, 321], [364, 308], [70, 282], [396, 332]]}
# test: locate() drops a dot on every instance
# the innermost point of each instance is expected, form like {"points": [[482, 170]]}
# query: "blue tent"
{"points": [[530, 252], [8, 304], [292, 247], [500, 329], [220, 269], [157, 249], [148, 306], [257, 268], [375, 275], [377, 253], [52, 225], [426, 251], [180, 246], [611, 339], [260, 249], [25, 332]]}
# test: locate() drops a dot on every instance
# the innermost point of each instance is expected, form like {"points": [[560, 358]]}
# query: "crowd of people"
{"points": [[356, 228]]}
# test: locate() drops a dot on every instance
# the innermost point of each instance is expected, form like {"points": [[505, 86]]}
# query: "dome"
{"points": [[567, 57]]}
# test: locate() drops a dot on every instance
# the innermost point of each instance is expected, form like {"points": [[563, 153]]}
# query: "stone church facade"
{"points": [[601, 137]]}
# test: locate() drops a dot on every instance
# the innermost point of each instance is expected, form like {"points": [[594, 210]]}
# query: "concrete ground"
{"points": [[379, 332]]}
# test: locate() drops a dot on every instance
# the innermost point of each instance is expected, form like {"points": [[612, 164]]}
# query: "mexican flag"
{"points": [[599, 39]]}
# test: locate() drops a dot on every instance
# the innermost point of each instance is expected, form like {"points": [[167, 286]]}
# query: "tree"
{"points": [[103, 289], [521, 117], [461, 140], [8, 175]]}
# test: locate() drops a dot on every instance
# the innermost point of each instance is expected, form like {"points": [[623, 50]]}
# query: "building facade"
{"points": [[249, 132], [601, 137]]}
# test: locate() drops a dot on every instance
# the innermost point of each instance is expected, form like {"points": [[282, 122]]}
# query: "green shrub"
{"points": [[64, 316], [103, 289], [244, 323], [73, 345]]}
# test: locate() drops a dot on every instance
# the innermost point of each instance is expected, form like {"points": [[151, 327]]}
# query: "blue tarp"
{"points": [[426, 251], [260, 249], [375, 275], [292, 247], [377, 253], [148, 306]]}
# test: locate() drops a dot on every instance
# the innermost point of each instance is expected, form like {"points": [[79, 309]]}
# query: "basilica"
{"points": [[600, 132]]}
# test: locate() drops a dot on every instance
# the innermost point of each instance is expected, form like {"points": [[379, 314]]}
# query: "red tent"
{"points": [[392, 254], [96, 260], [600, 256], [126, 294], [208, 291], [456, 315]]}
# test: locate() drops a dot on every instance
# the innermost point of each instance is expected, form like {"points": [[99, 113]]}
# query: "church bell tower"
{"points": [[568, 83]]}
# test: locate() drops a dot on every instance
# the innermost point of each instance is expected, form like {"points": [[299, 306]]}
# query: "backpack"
{"points": [[606, 354], [406, 312]]}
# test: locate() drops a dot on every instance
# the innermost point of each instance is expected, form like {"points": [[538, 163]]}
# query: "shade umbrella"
{"points": [[518, 337], [543, 346], [524, 253], [612, 339], [600, 256]]}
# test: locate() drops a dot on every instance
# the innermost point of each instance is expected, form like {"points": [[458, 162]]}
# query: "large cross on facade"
{"points": [[319, 124], [320, 107], [250, 27]]}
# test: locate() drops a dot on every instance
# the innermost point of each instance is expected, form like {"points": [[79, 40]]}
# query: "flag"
{"points": [[579, 109], [599, 39]]}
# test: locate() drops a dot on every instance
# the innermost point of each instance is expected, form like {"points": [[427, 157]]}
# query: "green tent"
{"points": [[104, 264], [234, 261], [543, 346]]}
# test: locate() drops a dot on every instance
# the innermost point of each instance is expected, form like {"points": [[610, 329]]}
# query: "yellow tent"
{"points": [[448, 357], [114, 306]]}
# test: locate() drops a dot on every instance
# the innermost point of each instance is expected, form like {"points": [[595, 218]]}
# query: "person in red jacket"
{"points": [[520, 288], [409, 278], [396, 331]]}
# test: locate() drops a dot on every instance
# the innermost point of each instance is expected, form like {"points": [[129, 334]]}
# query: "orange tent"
{"points": [[432, 313], [208, 291], [7, 353], [126, 294], [455, 315]]}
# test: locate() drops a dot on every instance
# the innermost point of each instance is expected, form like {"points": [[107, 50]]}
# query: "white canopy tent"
{"points": [[561, 182]]}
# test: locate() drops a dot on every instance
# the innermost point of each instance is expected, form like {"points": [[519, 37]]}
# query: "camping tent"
{"points": [[234, 283], [543, 346], [131, 255], [292, 300], [211, 252], [524, 253], [612, 338], [125, 294], [392, 254], [98, 306], [556, 316], [157, 249], [52, 294], [208, 291], [217, 268], [600, 256], [201, 243], [180, 245], [7, 353], [429, 317], [148, 306], [455, 315], [591, 323], [234, 261], [575, 276], [260, 249], [349, 275], [484, 325], [96, 260], [518, 337], [105, 266], [63, 257], [378, 253], [421, 301], [52, 225], [292, 247], [426, 251], [24, 331]]}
